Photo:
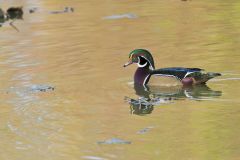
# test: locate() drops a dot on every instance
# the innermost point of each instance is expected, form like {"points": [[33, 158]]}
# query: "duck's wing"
{"points": [[177, 72]]}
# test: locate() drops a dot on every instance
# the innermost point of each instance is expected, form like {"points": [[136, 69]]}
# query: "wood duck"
{"points": [[146, 70]]}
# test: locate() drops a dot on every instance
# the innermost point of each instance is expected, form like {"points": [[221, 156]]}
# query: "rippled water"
{"points": [[89, 108]]}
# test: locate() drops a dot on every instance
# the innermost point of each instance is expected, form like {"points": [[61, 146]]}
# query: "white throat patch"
{"points": [[144, 65], [141, 65]]}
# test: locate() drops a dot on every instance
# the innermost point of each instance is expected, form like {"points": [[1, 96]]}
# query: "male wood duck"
{"points": [[146, 70]]}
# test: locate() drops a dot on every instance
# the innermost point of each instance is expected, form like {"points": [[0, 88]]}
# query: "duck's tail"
{"points": [[213, 74], [207, 76]]}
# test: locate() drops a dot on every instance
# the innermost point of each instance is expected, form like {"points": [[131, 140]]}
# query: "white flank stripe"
{"points": [[187, 74], [167, 75]]}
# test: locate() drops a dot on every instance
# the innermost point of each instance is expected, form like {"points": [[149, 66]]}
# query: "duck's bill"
{"points": [[127, 64]]}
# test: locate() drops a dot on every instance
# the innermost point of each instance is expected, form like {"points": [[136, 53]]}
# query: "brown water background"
{"points": [[81, 54]]}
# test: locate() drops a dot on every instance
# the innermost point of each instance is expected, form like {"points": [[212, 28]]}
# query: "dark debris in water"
{"points": [[2, 14], [145, 130], [31, 89], [15, 13], [65, 10], [33, 10], [42, 88], [12, 13], [114, 141]]}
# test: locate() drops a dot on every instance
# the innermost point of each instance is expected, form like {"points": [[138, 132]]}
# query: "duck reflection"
{"points": [[151, 96]]}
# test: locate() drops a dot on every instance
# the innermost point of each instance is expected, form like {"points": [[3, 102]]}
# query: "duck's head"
{"points": [[142, 57]]}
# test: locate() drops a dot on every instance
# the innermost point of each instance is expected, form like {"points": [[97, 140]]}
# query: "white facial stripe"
{"points": [[131, 55], [139, 65]]}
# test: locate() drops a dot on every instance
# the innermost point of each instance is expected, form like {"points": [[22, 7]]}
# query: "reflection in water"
{"points": [[154, 96]]}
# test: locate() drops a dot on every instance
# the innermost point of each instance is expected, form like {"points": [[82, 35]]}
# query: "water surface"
{"points": [[81, 55]]}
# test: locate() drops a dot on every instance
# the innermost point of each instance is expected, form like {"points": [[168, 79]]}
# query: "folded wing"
{"points": [[178, 72]]}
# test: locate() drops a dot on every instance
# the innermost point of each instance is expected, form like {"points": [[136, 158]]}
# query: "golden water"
{"points": [[81, 54]]}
